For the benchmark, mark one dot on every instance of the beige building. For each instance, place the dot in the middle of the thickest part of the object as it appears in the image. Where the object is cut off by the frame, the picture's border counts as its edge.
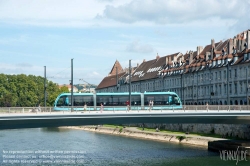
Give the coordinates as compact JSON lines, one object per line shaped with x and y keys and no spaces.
{"x":217,"y":74}
{"x":69,"y":88}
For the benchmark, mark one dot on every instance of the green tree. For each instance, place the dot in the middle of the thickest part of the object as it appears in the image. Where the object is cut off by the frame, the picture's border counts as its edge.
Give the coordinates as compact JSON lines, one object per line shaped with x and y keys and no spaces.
{"x":27,"y":91}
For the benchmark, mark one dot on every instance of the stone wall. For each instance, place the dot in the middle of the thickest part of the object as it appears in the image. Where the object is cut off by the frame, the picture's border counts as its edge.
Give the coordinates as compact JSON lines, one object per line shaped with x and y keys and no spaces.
{"x":233,"y":130}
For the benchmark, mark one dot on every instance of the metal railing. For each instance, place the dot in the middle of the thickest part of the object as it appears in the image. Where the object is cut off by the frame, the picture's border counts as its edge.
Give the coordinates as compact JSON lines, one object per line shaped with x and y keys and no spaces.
{"x":217,"y":107}
{"x":25,"y":109}
{"x":155,"y":108}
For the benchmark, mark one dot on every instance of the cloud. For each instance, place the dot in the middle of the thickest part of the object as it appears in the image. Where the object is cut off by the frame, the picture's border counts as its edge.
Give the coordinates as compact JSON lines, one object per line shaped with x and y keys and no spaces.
{"x":54,"y":13}
{"x":49,"y":12}
{"x":242,"y":22}
{"x":176,"y":11}
{"x":137,"y":47}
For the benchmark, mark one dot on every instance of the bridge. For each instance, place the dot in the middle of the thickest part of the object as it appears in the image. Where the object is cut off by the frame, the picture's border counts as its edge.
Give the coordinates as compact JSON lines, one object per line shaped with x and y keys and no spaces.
{"x":57,"y":119}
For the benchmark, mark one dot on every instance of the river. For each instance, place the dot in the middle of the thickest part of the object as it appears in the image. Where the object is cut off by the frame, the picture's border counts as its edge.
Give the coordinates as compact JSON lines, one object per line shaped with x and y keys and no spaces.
{"x":62,"y":146}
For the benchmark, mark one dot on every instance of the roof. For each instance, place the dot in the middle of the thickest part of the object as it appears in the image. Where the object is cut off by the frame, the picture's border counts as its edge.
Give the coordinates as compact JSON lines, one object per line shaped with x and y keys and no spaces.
{"x":109,"y":81}
{"x":150,"y":69}
{"x":119,"y":68}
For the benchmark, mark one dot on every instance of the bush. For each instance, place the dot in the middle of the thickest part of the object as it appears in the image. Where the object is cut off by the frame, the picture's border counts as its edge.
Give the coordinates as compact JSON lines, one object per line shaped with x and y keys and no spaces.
{"x":180,"y":138}
{"x":120,"y":130}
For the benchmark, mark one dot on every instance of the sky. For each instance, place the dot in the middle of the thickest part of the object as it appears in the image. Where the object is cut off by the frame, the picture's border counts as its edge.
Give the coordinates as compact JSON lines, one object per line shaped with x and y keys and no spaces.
{"x":96,"y":33}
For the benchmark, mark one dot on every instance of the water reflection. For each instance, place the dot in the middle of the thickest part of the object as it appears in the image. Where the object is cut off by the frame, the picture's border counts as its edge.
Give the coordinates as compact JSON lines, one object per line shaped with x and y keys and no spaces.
{"x":101,"y":149}
{"x":55,"y":129}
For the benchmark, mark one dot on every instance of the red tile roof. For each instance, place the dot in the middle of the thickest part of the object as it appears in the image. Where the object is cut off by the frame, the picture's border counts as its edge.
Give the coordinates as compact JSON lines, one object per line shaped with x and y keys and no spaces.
{"x":109,"y":81}
{"x":150,"y":69}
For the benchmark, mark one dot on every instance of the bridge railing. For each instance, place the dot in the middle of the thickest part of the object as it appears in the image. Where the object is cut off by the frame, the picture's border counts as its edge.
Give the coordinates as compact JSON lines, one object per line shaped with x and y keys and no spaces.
{"x":25,"y":109}
{"x":217,"y":107}
{"x":185,"y":108}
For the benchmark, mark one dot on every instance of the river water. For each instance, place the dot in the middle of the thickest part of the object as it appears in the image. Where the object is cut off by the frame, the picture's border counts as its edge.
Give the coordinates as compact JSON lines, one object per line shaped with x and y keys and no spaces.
{"x":61,"y":146}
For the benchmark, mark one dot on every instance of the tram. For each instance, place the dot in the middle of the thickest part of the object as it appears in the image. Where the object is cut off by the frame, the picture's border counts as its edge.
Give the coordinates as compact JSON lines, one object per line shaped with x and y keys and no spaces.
{"x":118,"y":101}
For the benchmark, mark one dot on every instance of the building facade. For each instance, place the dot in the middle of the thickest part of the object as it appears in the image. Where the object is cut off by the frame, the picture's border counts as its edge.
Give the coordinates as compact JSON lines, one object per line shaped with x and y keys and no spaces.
{"x":217,"y":74}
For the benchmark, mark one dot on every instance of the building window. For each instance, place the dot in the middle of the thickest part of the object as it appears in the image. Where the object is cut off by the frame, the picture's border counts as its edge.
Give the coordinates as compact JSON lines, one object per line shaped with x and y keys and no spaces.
{"x":235,"y":72}
{"x":241,"y":88}
{"x":215,"y":89}
{"x":225,"y":75}
{"x":235,"y":87}
{"x":230,"y":74}
{"x":230,"y":88}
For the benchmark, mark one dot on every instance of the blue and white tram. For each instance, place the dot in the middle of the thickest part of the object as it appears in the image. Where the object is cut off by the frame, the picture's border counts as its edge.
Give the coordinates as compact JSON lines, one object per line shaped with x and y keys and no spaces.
{"x":118,"y":101}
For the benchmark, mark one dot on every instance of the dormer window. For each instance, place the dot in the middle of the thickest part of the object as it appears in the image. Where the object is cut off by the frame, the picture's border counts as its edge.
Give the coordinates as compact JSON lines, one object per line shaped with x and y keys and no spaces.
{"x":245,"y":45}
{"x":245,"y":56}
{"x":214,"y":63}
{"x":234,"y":50}
{"x":209,"y":57}
{"x":235,"y":58}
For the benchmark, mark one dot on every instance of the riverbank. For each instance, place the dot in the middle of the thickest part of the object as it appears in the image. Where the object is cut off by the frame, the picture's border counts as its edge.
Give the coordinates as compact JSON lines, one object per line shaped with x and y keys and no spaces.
{"x":157,"y":136}
{"x":211,"y":143}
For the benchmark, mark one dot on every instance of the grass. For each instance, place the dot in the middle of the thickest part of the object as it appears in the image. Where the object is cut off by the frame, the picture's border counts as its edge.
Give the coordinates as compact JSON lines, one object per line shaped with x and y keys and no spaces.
{"x":112,"y":126}
{"x":190,"y":133}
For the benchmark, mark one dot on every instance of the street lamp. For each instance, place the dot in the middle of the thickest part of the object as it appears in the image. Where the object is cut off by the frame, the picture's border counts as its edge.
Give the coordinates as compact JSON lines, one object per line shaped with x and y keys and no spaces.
{"x":228,"y":62}
{"x":130,"y":84}
{"x":248,"y":86}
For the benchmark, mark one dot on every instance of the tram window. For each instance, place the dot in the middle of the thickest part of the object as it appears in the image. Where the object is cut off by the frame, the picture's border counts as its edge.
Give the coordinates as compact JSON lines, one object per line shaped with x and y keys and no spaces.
{"x":158,"y":99}
{"x":176,"y":100}
{"x":136,"y":100}
{"x":62,"y":101}
{"x":82,"y":100}
{"x":173,"y":99}
{"x":123,"y":100}
{"x":170,"y":101}
{"x":102,"y":99}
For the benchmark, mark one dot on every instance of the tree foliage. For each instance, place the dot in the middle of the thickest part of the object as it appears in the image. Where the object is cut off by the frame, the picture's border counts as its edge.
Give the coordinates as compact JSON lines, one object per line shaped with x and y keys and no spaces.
{"x":27,"y":91}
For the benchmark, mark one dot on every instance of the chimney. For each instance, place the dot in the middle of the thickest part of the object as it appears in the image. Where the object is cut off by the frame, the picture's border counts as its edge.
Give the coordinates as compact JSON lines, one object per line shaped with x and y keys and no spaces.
{"x":238,"y":45}
{"x":190,"y":56}
{"x":212,"y":43}
{"x":230,"y":45}
{"x":199,"y":50}
{"x":242,"y":45}
{"x":248,"y":39}
{"x":137,"y":64}
{"x":144,"y":60}
{"x":166,"y":60}
{"x":157,"y":57}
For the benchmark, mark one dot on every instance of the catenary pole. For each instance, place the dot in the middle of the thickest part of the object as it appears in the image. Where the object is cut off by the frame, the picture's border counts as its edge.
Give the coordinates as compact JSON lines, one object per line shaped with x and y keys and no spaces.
{"x":72,"y":99}
{"x":129,"y":84}
{"x":45,"y":86}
